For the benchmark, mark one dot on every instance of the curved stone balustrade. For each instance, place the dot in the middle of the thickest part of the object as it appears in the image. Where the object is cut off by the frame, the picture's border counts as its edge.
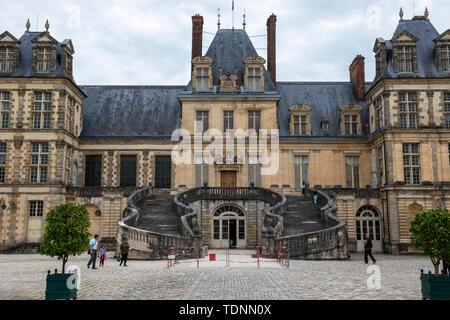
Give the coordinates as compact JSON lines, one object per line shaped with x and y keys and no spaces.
{"x":324,"y":244}
{"x":145,"y":244}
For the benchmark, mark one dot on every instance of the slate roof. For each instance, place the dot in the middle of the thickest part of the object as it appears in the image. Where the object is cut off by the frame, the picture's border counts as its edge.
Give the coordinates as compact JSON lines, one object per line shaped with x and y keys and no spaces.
{"x":25,"y":60}
{"x":324,"y":98}
{"x":228,"y":49}
{"x":131,"y":111}
{"x":424,"y":30}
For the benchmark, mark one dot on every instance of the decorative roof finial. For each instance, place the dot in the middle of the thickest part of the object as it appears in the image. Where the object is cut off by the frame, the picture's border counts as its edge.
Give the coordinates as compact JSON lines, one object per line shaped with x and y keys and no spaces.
{"x":218,"y":18}
{"x":401,"y":13}
{"x":427,"y":13}
{"x":243,"y":23}
{"x":28,"y":25}
{"x":47,"y":25}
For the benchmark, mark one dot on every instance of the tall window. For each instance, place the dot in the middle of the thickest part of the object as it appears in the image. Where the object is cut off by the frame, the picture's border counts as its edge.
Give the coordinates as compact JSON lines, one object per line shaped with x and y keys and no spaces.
{"x":36,"y":208}
{"x":300,"y":124}
{"x":202,"y":79}
{"x":408,"y":110}
{"x":5,"y":107}
{"x":411,"y":163}
{"x":93,"y":171}
{"x":2,"y":162}
{"x":202,"y":121}
{"x":404,"y":58}
{"x":70,"y":115}
{"x":128,"y":171}
{"x":254,"y":79}
{"x":254,"y":171}
{"x":201,"y":171}
{"x":352,"y":172}
{"x":380,"y":164}
{"x":447,"y":110}
{"x":39,"y":163}
{"x":444,"y":58}
{"x":378,"y":114}
{"x":351,"y":125}
{"x":228,"y":120}
{"x":42,"y":108}
{"x":301,"y":171}
{"x":45,"y":60}
{"x":8,"y":59}
{"x":254,"y":120}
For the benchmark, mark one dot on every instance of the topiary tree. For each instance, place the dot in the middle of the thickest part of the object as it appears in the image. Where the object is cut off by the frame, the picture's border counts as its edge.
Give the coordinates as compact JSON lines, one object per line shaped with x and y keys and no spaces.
{"x":66,"y":232}
{"x":430,"y":232}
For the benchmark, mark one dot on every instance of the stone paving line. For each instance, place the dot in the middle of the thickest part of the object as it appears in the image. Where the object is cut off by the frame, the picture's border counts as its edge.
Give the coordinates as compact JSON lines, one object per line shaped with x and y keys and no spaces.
{"x":22,"y":277}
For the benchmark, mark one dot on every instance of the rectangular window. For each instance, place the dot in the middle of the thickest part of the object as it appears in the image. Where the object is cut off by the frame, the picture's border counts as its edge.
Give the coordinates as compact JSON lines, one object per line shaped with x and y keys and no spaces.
{"x":411,"y":163}
{"x":241,"y":229}
{"x":254,"y":79}
{"x":352,"y":172}
{"x":45,"y":59}
{"x":8,"y":59}
{"x":447,"y":110}
{"x":202,"y":121}
{"x":351,"y":125}
{"x":300,"y":123}
{"x":128,"y":171}
{"x":408,"y":108}
{"x":301,"y":171}
{"x":404,"y":57}
{"x":201,"y":170}
{"x":224,"y":229}
{"x":2,"y":162}
{"x":444,"y":58}
{"x":228,"y":120}
{"x":36,"y":208}
{"x":378,"y":114}
{"x":39,"y":163}
{"x":202,"y":78}
{"x":5,"y":107}
{"x":216,"y":229}
{"x":93,"y":172}
{"x":380,"y":165}
{"x":254,"y":175}
{"x":42,"y":110}
{"x":254,"y":120}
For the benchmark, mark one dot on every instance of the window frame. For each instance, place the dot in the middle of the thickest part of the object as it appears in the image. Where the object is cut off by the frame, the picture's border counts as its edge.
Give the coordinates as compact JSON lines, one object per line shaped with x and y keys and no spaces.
{"x":352,"y":167}
{"x":410,"y":176}
{"x":40,"y":162}
{"x":3,"y":161}
{"x":408,"y":110}
{"x":254,"y":120}
{"x":301,"y":171}
{"x":42,"y":109}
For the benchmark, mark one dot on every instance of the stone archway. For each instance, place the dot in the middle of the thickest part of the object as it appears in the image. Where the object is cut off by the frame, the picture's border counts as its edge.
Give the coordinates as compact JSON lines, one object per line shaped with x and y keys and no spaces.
{"x":95,"y":217}
{"x":368,"y":221}
{"x":229,"y":224}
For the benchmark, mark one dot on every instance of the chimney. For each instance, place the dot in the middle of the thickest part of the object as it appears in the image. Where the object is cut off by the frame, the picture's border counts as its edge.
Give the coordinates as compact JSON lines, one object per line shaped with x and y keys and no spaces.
{"x":271,"y":47}
{"x":357,"y":77}
{"x":197,"y":35}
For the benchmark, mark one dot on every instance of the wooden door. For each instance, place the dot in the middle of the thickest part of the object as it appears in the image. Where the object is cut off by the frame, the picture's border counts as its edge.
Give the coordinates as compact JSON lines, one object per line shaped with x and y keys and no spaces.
{"x":228,"y":179}
{"x":163,"y":172}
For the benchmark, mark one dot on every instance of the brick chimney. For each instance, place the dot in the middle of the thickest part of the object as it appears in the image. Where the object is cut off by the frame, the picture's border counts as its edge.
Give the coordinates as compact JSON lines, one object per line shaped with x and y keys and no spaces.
{"x":357,"y":77}
{"x":271,"y":47}
{"x":197,"y":35}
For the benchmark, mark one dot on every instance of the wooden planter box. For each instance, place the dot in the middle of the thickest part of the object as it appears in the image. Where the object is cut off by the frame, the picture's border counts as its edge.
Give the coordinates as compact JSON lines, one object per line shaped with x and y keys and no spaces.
{"x":435,"y":287}
{"x":57,"y":288}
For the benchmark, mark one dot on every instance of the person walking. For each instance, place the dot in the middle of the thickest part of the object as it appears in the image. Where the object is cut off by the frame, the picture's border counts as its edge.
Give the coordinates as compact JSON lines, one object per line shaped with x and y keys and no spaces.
{"x":102,"y":255}
{"x":446,"y":268}
{"x":368,"y":249}
{"x":303,"y":188}
{"x":315,"y":194}
{"x":124,"y":248}
{"x":93,"y":244}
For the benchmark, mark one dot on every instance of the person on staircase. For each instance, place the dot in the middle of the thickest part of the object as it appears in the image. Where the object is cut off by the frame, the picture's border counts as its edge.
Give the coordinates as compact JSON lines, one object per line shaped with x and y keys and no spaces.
{"x":315,"y":194}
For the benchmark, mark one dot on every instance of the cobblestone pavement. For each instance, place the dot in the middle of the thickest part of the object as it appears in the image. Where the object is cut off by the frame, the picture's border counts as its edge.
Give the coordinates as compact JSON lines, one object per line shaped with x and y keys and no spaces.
{"x":23,"y":277}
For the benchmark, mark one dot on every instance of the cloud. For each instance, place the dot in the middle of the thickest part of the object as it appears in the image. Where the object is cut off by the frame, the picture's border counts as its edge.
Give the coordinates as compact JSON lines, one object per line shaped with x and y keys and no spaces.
{"x":140,"y":42}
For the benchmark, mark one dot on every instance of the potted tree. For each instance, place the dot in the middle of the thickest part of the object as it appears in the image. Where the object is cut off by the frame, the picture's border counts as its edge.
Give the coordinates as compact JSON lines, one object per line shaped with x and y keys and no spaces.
{"x":65,"y":234}
{"x":430,"y":232}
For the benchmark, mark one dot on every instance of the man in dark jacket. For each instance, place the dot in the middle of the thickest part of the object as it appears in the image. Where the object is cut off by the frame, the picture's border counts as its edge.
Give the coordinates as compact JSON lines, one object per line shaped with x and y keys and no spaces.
{"x":446,"y":269}
{"x":124,"y":248}
{"x":368,"y":249}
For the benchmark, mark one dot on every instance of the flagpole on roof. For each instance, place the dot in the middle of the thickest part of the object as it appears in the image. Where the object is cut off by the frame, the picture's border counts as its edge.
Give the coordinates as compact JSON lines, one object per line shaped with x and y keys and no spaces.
{"x":232,"y":9}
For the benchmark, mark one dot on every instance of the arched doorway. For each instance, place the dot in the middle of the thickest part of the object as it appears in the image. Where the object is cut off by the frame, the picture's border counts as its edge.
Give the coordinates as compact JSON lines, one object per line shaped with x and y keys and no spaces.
{"x":229,"y":227}
{"x":95,"y":217}
{"x":368,"y":221}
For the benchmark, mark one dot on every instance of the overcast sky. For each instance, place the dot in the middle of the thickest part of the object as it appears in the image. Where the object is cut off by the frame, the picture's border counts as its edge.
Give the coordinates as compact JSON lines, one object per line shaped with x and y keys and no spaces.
{"x":148,"y":42}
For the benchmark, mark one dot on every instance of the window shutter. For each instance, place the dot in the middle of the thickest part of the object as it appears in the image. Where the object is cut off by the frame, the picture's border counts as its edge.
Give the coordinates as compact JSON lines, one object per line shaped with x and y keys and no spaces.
{"x":198,"y":176}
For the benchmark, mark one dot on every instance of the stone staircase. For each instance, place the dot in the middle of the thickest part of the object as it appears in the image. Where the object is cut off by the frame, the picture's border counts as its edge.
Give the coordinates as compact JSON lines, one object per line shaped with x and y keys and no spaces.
{"x":158,"y":215}
{"x":302,"y":216}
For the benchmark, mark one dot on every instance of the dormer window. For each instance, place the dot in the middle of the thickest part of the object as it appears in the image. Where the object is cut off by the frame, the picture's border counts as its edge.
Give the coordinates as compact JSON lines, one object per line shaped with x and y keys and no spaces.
{"x":351,"y":120}
{"x":228,"y":83}
{"x":9,"y":53}
{"x":405,"y":52}
{"x":44,"y":60}
{"x":300,"y":124}
{"x":202,"y":74}
{"x":254,"y":74}
{"x":443,"y":52}
{"x":380,"y":56}
{"x":325,"y":124}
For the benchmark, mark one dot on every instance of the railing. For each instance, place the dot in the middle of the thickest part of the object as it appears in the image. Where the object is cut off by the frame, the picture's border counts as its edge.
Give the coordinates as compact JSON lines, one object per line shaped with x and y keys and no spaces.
{"x":272,"y":218}
{"x":94,"y":192}
{"x":330,"y":243}
{"x":146,"y":244}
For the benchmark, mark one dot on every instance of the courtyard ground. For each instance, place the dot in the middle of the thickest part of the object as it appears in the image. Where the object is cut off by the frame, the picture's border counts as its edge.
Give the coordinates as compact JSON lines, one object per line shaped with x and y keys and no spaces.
{"x":22,"y":277}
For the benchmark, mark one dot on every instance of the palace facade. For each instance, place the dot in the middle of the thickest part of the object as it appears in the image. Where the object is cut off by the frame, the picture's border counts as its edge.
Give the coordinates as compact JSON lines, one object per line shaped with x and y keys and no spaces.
{"x":380,"y":149}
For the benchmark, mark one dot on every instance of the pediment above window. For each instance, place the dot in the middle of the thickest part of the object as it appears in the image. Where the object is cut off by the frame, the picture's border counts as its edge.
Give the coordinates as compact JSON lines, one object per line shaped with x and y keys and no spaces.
{"x":300,"y":108}
{"x":8,"y":38}
{"x":444,"y":37}
{"x":228,"y":83}
{"x":405,"y":36}
{"x":203,"y":60}
{"x":351,"y":108}
{"x":380,"y":43}
{"x":68,"y":45}
{"x":46,"y":38}
{"x":254,"y":60}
